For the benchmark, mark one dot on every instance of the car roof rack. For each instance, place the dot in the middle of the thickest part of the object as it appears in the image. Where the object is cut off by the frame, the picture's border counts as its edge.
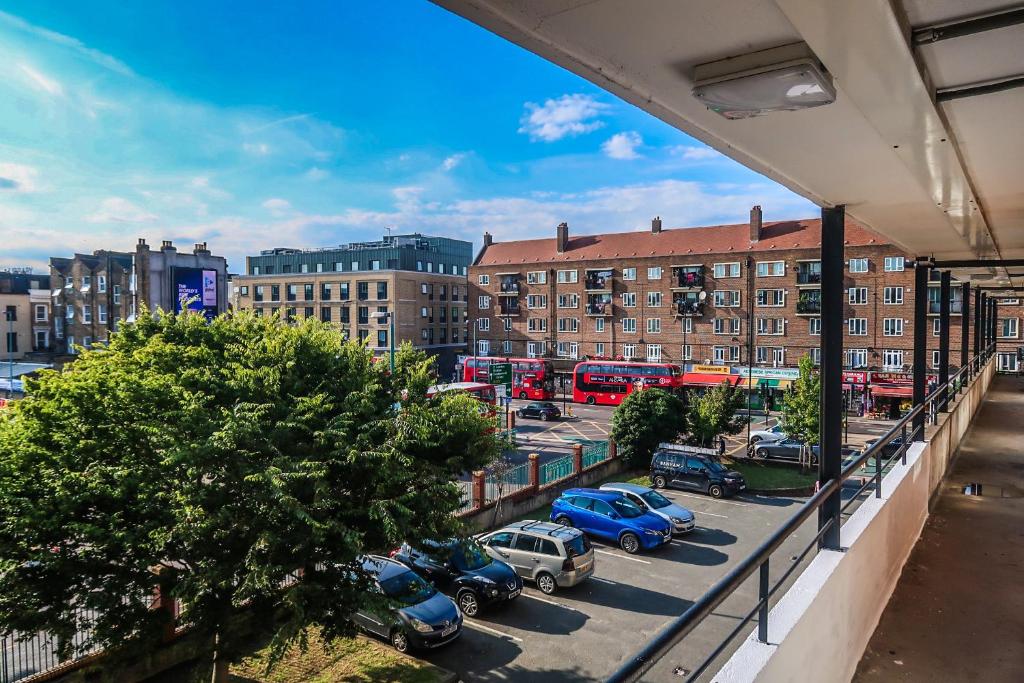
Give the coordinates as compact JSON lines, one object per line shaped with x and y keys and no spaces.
{"x":689,"y":450}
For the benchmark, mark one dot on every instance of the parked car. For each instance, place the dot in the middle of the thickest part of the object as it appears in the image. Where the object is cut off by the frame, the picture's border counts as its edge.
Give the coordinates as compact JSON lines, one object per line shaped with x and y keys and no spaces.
{"x":784,"y":449}
{"x":694,"y":469}
{"x":551,"y":555}
{"x":681,"y":519}
{"x":463,"y":569}
{"x":611,"y":516}
{"x":542,"y":410}
{"x":888,"y":450}
{"x":419,"y":616}
{"x":775,"y":433}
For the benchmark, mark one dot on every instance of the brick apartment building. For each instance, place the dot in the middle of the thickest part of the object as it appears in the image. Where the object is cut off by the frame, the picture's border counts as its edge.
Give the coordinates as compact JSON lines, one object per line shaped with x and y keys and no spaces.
{"x":689,"y":296}
{"x":24,"y":307}
{"x":93,"y":293}
{"x":420,"y":280}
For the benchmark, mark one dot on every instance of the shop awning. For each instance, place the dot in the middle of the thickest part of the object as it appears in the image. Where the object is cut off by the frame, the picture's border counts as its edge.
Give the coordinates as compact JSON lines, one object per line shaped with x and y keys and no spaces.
{"x":902,"y":392}
{"x":708,"y":379}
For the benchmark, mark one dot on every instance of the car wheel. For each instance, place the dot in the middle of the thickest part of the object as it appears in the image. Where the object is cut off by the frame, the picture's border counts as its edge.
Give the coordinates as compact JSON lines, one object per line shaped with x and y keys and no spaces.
{"x":755,"y":439}
{"x":715,"y":490}
{"x":522,"y":395}
{"x":399,"y":640}
{"x":630,"y":543}
{"x":591,"y":400}
{"x":546,"y":583}
{"x":563,"y":520}
{"x":544,"y":417}
{"x":468,"y":603}
{"x":659,"y":482}
{"x":520,"y":413}
{"x":761,"y":453}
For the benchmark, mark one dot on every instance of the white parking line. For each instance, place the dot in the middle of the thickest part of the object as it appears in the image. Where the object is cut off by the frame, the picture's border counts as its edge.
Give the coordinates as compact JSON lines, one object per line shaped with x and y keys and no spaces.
{"x":598,"y":578}
{"x":493,"y":631}
{"x":717,"y":500}
{"x":550,"y":602}
{"x":712,"y":514}
{"x":623,"y":557}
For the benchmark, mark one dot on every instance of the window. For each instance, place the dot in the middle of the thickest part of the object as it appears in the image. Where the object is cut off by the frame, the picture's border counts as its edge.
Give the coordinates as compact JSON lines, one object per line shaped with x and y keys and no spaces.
{"x":1008,"y":328}
{"x":893,"y":264}
{"x":343,"y":291}
{"x":244,"y":289}
{"x":726,"y":298}
{"x":339,"y":266}
{"x":936,"y":326}
{"x":325,"y":314}
{"x":484,"y":280}
{"x":855,"y":358}
{"x":86,"y":313}
{"x":892,"y":295}
{"x":430,"y":266}
{"x":568,"y":350}
{"x":291,"y":292}
{"x":629,"y":299}
{"x":816,"y":356}
{"x":506,"y":324}
{"x":653,"y":325}
{"x":567,"y":276}
{"x":69,"y":311}
{"x":722,"y":270}
{"x":537,"y":324}
{"x":568,"y":300}
{"x":726,"y":325}
{"x":101,"y":314}
{"x":325,"y":291}
{"x":69,"y":282}
{"x":858,"y":265}
{"x":771,"y":326}
{"x":42,"y":312}
{"x":654,"y":299}
{"x":258,"y":293}
{"x":892,"y":327}
{"x":771,"y":297}
{"x":771,"y":268}
{"x":599,"y":325}
{"x":654,"y":353}
{"x":858,"y":295}
{"x":307,"y":292}
{"x":286,"y":268}
{"x":440,"y":269}
{"x":86,"y":283}
{"x":892,"y":359}
{"x":599,"y":349}
{"x":117,"y":294}
{"x":687,"y":325}
{"x":382,"y":291}
{"x":654,"y":273}
{"x":382,"y":338}
{"x":629,"y":351}
{"x":424,"y":311}
{"x":725,"y":354}
{"x":629,"y":325}
{"x":425,"y":288}
{"x":506,"y":346}
{"x":537,"y":301}
{"x":101,"y":284}
{"x":58,"y":327}
{"x":533,"y":349}
{"x":537,"y":277}
{"x":935,"y":360}
{"x":814,"y":327}
{"x":686,"y":352}
{"x":355,"y":265}
{"x":629,"y":273}
{"x":319,"y":267}
{"x":483,"y":302}
{"x":857,"y":327}
{"x":483,"y":347}
{"x":307,"y":312}
{"x":483,"y":324}
{"x":87,"y":342}
{"x":776,"y":355}
{"x":374,"y":264}
{"x":304,"y":268}
{"x":568,"y":325}
{"x":1007,"y":362}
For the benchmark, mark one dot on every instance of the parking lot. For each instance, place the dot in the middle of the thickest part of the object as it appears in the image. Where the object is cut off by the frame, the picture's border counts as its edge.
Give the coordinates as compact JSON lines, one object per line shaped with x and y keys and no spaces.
{"x":584,"y":633}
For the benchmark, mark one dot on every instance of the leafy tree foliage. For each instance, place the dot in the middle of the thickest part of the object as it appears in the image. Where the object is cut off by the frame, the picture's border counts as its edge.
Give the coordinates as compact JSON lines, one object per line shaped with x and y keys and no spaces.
{"x":802,"y":409}
{"x":219,"y":459}
{"x":645,"y":419}
{"x":714,"y":413}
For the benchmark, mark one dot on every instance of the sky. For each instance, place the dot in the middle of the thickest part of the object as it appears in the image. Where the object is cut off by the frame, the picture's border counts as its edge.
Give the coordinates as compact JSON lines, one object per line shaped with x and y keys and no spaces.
{"x":316,"y":123}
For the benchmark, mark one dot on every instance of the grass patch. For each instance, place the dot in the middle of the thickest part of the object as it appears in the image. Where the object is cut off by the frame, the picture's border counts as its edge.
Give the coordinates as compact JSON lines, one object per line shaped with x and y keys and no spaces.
{"x":762,"y":476}
{"x":352,"y":660}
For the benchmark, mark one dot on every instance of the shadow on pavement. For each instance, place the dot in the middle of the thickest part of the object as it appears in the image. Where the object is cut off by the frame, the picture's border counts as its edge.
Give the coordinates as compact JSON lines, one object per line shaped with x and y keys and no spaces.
{"x":527,"y":614}
{"x":705,"y":536}
{"x":768,"y":501}
{"x":476,"y":656}
{"x":688,"y":553}
{"x":629,"y":598}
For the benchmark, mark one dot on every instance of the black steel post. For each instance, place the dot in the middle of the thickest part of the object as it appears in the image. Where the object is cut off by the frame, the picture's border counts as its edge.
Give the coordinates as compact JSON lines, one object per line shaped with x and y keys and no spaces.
{"x":978,"y":299}
{"x":830,"y":459}
{"x":983,"y":323}
{"x":965,"y":329}
{"x":995,"y":320}
{"x":920,"y":339}
{"x":943,"y":399}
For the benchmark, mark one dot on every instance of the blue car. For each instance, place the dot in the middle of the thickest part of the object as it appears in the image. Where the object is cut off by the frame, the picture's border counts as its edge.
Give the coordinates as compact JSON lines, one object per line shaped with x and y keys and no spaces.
{"x":611,"y":516}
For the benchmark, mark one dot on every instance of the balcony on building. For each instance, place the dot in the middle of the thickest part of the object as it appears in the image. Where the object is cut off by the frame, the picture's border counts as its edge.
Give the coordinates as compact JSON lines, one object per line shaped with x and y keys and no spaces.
{"x":508,"y":284}
{"x":688,"y":277}
{"x":688,"y":304}
{"x":598,"y":280}
{"x":809,"y":303}
{"x":509,"y":306}
{"x":808,"y":274}
{"x":599,"y":305}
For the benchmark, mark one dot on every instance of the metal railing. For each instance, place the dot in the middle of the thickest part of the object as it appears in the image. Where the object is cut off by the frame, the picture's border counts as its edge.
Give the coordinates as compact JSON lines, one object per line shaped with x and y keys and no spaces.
{"x":555,"y":470}
{"x":595,"y":453}
{"x":759,"y":560}
{"x":506,"y":483}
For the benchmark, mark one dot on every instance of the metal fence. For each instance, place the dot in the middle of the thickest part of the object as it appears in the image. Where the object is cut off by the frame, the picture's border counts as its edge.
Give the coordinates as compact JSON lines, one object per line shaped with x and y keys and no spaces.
{"x":24,"y":656}
{"x":467,"y":498}
{"x":505,"y":484}
{"x":595,"y":453}
{"x":554,"y":470}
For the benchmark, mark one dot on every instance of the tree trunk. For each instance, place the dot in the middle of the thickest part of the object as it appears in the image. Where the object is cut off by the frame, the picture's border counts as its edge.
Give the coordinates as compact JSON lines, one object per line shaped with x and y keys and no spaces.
{"x":220,"y":664}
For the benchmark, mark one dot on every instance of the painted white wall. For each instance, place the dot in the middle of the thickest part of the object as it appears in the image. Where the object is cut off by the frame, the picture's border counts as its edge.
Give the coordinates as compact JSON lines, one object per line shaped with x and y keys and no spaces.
{"x":819,"y":629}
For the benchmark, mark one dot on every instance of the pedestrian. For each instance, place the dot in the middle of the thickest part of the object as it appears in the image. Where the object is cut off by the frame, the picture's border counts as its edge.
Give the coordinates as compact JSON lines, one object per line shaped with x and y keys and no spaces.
{"x":721,"y":446}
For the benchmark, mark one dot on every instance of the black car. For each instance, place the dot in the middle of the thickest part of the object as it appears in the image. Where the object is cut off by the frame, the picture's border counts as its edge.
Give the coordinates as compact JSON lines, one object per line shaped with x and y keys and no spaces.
{"x":888,"y":450}
{"x":417,"y":615}
{"x":463,"y":569}
{"x":541,"y":410}
{"x":694,"y":471}
{"x":783,"y":449}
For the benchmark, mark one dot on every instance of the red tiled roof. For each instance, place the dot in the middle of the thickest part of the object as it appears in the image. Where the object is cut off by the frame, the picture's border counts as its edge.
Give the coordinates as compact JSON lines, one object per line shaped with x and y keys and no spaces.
{"x":716,"y":239}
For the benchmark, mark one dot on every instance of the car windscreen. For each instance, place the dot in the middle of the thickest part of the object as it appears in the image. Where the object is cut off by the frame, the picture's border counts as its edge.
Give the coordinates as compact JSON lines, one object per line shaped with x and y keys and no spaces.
{"x":407,"y":588}
{"x":469,"y":556}
{"x":716,"y":466}
{"x":655,"y":500}
{"x":577,"y":546}
{"x":626,"y":508}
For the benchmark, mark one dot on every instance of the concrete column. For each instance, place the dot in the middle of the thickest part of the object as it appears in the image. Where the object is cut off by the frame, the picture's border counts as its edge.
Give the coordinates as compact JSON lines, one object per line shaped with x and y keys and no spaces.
{"x":478,"y":489}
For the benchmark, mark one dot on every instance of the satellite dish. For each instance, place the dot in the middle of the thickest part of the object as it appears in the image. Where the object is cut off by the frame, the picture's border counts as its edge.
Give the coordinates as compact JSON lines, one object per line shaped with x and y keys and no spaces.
{"x":703,"y":295}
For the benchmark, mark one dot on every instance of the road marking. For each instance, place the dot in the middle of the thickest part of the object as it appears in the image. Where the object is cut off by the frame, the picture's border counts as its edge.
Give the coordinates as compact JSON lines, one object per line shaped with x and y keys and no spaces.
{"x":550,"y":602}
{"x":623,"y":557}
{"x":488,"y":629}
{"x":598,"y":427}
{"x":717,"y":500}
{"x":712,"y":514}
{"x":598,"y":578}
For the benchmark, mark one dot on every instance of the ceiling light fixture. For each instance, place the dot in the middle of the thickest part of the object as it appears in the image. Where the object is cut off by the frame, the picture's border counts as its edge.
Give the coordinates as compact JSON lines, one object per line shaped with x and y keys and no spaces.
{"x":786,"y":78}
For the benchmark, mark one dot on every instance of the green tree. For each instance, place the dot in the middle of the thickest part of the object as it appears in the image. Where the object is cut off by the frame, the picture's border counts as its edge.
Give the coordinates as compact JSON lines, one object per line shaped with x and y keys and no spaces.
{"x":714,"y":413}
{"x":221,"y":459}
{"x":802,"y":408}
{"x":645,"y":419}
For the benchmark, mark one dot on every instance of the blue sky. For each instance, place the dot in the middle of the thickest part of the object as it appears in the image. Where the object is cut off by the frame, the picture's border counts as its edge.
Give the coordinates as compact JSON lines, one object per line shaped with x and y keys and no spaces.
{"x":317,"y":123}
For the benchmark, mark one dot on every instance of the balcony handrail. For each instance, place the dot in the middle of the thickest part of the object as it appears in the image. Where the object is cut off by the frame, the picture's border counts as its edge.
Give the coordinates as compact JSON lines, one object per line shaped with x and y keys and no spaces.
{"x":681,"y":626}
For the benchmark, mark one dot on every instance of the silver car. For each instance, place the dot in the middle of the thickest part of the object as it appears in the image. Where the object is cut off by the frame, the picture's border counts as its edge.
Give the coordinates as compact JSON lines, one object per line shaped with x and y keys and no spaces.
{"x":551,"y":555}
{"x":649,"y":500}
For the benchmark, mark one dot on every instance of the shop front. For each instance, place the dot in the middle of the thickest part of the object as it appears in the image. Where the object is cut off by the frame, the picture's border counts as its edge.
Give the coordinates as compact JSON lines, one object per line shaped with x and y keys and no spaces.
{"x":697,"y":378}
{"x":855,"y":392}
{"x":767,"y":387}
{"x":891,"y":394}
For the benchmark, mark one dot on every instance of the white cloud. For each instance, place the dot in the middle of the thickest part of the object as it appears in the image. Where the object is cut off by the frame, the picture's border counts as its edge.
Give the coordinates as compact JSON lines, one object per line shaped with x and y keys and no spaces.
{"x":202,"y":185}
{"x":41,"y":81}
{"x":104,"y":60}
{"x":567,"y":116}
{"x":453,"y":161}
{"x":697,"y":153}
{"x":260,"y":149}
{"x":316,"y":174}
{"x":277,"y":206}
{"x":17,"y":177}
{"x":120,"y":210}
{"x":623,"y":145}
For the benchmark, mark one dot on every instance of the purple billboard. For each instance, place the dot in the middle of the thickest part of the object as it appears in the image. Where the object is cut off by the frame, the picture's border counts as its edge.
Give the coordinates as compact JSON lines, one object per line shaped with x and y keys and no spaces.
{"x":196,"y":289}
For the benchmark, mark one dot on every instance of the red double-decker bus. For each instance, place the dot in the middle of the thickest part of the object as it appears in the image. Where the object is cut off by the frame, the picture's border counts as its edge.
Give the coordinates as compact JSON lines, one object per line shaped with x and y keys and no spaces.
{"x":478,"y":390}
{"x":532,"y":378}
{"x":607,"y":382}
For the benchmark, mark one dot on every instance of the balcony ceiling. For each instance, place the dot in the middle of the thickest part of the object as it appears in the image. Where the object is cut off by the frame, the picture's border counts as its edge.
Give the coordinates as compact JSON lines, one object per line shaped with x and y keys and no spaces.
{"x":941,"y":179}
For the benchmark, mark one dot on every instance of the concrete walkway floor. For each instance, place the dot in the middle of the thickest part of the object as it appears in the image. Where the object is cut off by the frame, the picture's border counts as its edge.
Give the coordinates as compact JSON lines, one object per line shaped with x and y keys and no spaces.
{"x":958,"y":610}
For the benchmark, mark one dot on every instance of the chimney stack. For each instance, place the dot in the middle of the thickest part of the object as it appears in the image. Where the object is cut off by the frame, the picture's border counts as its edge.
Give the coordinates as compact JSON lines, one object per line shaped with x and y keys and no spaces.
{"x":755,"y":223}
{"x":656,"y":225}
{"x":200,"y":249}
{"x":166,"y":245}
{"x":488,"y":240}
{"x":562,"y":237}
